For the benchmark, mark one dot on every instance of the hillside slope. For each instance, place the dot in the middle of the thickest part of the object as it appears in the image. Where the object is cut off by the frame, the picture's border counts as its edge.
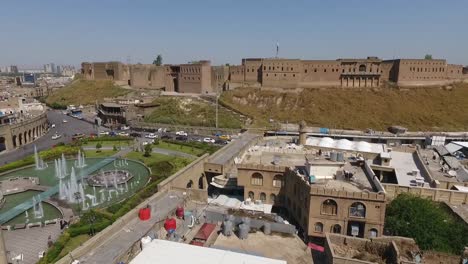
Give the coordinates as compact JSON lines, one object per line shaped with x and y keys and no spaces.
{"x":191,"y":112}
{"x":83,"y":92}
{"x":423,"y":109}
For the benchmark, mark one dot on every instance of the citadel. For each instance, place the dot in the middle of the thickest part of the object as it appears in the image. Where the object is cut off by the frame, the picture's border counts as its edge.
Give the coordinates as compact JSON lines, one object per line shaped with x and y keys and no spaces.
{"x":202,"y":77}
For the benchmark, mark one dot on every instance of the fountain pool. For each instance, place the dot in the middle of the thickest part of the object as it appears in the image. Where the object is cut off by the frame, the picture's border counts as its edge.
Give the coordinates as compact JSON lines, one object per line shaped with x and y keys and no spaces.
{"x":94,"y":196}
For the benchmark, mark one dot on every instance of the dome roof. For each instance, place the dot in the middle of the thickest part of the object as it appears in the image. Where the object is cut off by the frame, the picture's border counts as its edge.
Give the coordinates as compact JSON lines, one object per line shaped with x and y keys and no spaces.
{"x":363,"y":146}
{"x":344,"y":144}
{"x":326,"y":142}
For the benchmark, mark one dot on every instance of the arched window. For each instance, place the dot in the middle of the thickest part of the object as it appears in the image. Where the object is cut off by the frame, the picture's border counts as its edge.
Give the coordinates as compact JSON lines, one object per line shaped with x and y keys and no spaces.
{"x":272,"y":198}
{"x":373,"y":232}
{"x":357,"y":209}
{"x":251,"y":196}
{"x":336,"y":229}
{"x":257,"y":179}
{"x":362,"y":68}
{"x":329,"y":207}
{"x":318,"y":227}
{"x":263,"y":197}
{"x":278,"y":181}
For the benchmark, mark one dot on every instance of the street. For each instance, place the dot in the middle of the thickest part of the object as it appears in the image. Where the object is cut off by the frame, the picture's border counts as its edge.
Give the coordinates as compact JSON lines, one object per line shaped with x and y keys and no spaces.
{"x":56,"y":117}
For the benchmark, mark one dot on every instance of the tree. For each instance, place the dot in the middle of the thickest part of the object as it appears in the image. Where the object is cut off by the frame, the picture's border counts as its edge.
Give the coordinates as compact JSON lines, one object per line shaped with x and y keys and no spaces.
{"x":148,"y":150}
{"x":428,"y":57}
{"x":98,"y":147}
{"x":431,"y":224}
{"x":158,"y":61}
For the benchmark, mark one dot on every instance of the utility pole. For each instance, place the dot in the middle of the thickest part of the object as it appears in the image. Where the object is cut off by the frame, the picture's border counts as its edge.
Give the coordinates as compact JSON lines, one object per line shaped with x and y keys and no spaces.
{"x":217,"y":98}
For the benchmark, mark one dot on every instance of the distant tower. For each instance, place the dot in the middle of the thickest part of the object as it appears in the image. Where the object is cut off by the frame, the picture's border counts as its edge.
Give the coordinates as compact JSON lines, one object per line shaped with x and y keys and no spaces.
{"x":277,"y":49}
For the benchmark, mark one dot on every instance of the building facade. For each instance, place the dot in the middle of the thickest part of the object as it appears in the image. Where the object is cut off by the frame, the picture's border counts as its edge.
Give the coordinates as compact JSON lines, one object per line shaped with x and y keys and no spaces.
{"x":201,"y":77}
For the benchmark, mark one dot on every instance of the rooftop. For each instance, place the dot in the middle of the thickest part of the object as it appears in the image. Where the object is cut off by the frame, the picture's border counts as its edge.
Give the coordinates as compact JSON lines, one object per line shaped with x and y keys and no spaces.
{"x":167,"y":252}
{"x":288,"y":248}
{"x":407,"y":171}
{"x":327,"y":173}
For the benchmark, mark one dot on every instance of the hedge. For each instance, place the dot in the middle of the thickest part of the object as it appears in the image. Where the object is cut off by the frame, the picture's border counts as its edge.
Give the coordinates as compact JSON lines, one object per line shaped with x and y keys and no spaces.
{"x":46,"y":155}
{"x":200,"y":145}
{"x":54,"y":251}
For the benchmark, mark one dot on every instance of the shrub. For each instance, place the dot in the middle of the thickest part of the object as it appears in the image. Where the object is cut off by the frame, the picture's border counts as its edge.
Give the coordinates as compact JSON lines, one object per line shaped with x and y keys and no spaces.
{"x":431,"y":224}
{"x":57,"y":247}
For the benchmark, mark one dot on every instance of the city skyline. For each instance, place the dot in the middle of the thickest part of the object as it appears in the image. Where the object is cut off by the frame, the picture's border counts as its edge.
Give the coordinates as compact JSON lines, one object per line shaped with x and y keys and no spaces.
{"x":64,"y":33}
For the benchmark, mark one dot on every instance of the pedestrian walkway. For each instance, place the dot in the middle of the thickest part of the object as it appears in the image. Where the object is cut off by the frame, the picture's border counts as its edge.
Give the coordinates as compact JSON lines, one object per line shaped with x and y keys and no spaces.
{"x":117,"y":244}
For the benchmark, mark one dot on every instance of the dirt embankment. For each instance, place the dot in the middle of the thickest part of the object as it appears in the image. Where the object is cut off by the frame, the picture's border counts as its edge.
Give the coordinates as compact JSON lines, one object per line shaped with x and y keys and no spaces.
{"x":424,"y":109}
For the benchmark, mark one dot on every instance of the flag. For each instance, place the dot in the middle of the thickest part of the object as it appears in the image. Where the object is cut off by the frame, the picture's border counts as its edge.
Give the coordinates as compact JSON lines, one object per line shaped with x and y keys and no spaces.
{"x":277,"y":48}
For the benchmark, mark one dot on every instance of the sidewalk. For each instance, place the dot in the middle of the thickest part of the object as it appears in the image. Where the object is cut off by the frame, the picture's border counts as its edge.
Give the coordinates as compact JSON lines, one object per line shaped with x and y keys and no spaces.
{"x":114,"y":246}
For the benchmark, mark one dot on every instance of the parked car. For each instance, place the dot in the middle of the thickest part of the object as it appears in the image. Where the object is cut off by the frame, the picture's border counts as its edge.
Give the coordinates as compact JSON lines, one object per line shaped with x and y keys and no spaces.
{"x":52,"y":126}
{"x":125,"y":128}
{"x":65,"y":121}
{"x":56,"y":136}
{"x":220,"y":142}
{"x":151,"y":135}
{"x":135,"y":134}
{"x":104,"y":133}
{"x":182,"y":138}
{"x":224,"y":137}
{"x":181,"y":133}
{"x":208,"y":140}
{"x":112,"y":134}
{"x":124,"y":134}
{"x":78,"y":136}
{"x":166,"y":136}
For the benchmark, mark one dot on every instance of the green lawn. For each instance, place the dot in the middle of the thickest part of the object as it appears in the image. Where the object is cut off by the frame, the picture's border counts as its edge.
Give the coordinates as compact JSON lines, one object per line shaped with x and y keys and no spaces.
{"x":155,"y":157}
{"x":73,"y":243}
{"x":186,"y":149}
{"x":121,"y":143}
{"x":101,"y":154}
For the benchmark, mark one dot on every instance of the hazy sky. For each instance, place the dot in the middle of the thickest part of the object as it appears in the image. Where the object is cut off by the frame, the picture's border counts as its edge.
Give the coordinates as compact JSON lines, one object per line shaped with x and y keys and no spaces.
{"x":35,"y":32}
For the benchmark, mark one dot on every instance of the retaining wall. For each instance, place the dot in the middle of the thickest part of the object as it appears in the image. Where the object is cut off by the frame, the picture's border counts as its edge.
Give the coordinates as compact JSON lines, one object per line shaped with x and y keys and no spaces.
{"x":439,"y":195}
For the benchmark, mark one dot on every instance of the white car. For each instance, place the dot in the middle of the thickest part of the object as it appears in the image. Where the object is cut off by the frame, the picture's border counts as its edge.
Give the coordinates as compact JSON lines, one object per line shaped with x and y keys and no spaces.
{"x":208,"y":140}
{"x":125,"y":128}
{"x":181,"y":133}
{"x":104,"y":133}
{"x":65,"y":121}
{"x":151,"y":135}
{"x":52,"y":126}
{"x":124,"y":134}
{"x":56,"y":136}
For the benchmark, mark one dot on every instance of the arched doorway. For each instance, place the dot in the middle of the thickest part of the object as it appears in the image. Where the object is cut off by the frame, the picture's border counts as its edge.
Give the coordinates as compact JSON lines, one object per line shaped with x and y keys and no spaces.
{"x":13,"y":139}
{"x":336,"y":229}
{"x":25,"y":137}
{"x":201,"y":183}
{"x":189,"y":184}
{"x":20,"y":137}
{"x":2,"y":144}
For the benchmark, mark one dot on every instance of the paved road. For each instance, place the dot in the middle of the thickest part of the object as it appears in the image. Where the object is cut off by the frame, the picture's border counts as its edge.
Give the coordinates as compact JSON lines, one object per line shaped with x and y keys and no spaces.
{"x":45,"y":142}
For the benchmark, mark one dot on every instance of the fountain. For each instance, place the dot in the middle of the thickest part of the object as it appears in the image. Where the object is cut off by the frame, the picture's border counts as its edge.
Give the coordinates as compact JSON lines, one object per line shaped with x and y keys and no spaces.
{"x":83,"y":196}
{"x":38,"y":210}
{"x":40,"y":164}
{"x":80,"y":161}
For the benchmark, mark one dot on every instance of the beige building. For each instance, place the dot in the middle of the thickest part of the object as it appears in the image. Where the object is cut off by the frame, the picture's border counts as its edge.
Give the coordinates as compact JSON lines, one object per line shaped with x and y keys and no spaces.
{"x":318,"y":193}
{"x":201,"y":77}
